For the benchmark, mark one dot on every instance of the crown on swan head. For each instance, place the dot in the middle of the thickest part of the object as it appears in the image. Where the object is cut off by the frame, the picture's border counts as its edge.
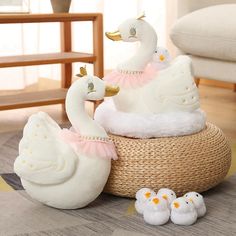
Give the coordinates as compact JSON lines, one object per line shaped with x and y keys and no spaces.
{"x":83,"y":71}
{"x":140,"y":17}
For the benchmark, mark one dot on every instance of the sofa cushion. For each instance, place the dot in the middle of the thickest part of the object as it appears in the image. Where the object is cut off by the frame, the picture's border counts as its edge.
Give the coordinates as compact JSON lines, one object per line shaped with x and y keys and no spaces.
{"x":209,"y":32}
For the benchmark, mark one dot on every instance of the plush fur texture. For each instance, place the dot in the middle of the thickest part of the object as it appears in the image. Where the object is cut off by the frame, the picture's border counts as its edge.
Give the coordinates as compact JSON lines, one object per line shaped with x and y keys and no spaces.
{"x":149,"y":126}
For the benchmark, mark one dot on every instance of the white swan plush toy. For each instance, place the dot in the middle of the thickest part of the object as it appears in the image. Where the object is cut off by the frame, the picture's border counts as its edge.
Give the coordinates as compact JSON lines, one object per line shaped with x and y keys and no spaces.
{"x":144,"y":89}
{"x":156,"y":211}
{"x":198,"y":202}
{"x":142,"y":196}
{"x":183,"y":212}
{"x":168,"y":194}
{"x":67,"y":169}
{"x":158,"y":97}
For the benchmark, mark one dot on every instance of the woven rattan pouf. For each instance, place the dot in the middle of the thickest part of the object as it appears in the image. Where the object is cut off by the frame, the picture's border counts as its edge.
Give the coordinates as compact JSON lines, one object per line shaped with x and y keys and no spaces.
{"x":196,"y":162}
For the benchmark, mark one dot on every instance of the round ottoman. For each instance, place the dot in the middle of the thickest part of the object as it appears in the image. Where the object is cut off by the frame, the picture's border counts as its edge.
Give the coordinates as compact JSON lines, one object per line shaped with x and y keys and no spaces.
{"x":195,"y":162}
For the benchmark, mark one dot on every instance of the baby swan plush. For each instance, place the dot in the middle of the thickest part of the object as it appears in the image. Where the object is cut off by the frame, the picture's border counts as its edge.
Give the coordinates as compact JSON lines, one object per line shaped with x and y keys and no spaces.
{"x":168,"y":194}
{"x":67,"y":169}
{"x":156,"y":211}
{"x":142,"y":196}
{"x":198,"y":202}
{"x":183,"y":212}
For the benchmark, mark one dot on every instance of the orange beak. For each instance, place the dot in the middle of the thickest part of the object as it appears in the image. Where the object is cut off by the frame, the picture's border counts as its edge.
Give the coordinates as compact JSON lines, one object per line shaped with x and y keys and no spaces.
{"x":162,"y":57}
{"x":155,"y":200}
{"x":148,"y":195}
{"x":165,"y":197}
{"x":191,"y":200}
{"x":176,"y":205}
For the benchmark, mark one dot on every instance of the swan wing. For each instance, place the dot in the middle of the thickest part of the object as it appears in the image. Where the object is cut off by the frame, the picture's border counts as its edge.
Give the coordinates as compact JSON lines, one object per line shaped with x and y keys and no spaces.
{"x":174,"y":88}
{"x":43,"y":157}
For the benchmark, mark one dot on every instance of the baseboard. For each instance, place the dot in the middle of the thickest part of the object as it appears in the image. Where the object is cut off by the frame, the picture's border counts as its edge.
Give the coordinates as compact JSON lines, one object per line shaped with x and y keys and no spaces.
{"x":216,"y":83}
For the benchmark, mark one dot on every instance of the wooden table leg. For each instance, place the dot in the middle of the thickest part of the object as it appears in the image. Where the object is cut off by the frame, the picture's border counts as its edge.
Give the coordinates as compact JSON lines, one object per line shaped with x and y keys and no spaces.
{"x":98,"y":46}
{"x":66,"y":46}
{"x":98,"y":50}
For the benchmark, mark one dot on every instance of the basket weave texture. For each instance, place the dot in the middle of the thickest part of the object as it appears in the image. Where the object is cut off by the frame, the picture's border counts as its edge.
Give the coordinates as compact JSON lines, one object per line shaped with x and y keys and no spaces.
{"x":195,"y":162}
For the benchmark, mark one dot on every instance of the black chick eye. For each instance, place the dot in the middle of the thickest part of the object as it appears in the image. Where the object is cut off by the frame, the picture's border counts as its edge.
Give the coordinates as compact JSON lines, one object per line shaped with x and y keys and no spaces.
{"x":132,"y":31}
{"x":197,"y":195}
{"x":90,"y":86}
{"x":187,"y":202}
{"x":186,"y":195}
{"x":172,"y":194}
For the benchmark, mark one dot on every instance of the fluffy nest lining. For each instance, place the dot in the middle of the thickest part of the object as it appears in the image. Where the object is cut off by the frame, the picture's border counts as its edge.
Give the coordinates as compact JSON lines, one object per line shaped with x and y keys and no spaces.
{"x":149,"y":126}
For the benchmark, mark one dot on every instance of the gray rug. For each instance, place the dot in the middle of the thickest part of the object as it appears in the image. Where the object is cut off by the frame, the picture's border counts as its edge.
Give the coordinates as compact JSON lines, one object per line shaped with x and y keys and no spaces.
{"x":108,"y":215}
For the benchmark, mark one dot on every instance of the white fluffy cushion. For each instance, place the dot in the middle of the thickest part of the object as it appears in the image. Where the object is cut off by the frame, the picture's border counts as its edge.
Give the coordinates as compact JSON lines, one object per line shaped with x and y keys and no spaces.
{"x":148,"y":126}
{"x":208,"y":32}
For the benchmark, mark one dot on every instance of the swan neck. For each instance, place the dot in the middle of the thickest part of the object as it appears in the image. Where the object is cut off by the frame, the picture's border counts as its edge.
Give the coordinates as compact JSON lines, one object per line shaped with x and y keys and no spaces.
{"x":80,"y":120}
{"x":142,"y":57}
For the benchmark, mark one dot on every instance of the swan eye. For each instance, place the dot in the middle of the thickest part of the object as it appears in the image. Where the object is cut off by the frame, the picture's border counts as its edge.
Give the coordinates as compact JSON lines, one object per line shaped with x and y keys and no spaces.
{"x":186,"y":202}
{"x":132,"y":31}
{"x":90,"y":86}
{"x":197,"y":195}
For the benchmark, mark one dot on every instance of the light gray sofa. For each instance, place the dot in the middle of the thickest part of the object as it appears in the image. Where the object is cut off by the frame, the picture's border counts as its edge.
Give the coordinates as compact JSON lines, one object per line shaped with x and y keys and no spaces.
{"x":206,"y":30}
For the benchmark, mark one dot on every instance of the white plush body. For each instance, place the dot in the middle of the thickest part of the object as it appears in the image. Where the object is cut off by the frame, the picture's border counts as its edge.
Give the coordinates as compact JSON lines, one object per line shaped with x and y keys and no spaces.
{"x":156,"y":213}
{"x":139,"y":206}
{"x":156,"y":218}
{"x":172,"y":90}
{"x":198,"y":202}
{"x":50,"y":170}
{"x":142,"y":197}
{"x":185,"y":214}
{"x":183,"y":219}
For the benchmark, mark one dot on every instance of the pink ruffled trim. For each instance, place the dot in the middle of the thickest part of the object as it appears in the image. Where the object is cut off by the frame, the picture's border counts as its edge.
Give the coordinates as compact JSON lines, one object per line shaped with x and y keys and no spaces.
{"x":104,"y":149}
{"x":131,"y":79}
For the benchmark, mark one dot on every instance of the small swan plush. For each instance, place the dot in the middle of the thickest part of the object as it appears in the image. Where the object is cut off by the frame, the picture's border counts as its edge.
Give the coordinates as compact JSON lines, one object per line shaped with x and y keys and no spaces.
{"x":142,"y":197}
{"x":198,"y":202}
{"x":67,"y":169}
{"x":168,"y":194}
{"x":156,"y":211}
{"x":183,"y":212}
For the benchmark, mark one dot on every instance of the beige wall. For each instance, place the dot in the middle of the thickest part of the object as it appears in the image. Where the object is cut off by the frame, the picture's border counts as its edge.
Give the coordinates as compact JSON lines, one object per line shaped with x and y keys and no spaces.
{"x":186,"y":6}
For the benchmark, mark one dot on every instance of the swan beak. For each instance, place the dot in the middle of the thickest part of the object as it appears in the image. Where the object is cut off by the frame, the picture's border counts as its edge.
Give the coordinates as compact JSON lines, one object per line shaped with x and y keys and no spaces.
{"x":111,"y":90}
{"x":115,"y":36}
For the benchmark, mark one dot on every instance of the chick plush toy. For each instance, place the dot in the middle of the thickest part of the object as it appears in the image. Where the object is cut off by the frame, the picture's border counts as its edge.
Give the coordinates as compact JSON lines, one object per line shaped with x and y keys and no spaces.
{"x":156,"y":211}
{"x":168,"y":194}
{"x":161,"y":58}
{"x":142,"y":197}
{"x":198,"y":202}
{"x":183,"y":212}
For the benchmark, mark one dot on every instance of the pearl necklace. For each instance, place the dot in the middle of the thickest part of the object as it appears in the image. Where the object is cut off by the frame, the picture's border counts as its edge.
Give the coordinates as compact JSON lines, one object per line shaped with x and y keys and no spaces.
{"x":130,"y":72}
{"x":94,"y":138}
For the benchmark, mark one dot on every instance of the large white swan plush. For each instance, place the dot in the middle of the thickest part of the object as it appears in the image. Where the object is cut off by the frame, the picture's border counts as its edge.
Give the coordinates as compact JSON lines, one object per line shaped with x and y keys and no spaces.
{"x":153,"y":101}
{"x":144,"y":89}
{"x":67,"y":169}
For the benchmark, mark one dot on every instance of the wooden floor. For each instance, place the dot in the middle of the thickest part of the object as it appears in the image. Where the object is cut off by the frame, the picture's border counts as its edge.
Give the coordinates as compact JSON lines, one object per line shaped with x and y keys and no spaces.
{"x":220,"y":107}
